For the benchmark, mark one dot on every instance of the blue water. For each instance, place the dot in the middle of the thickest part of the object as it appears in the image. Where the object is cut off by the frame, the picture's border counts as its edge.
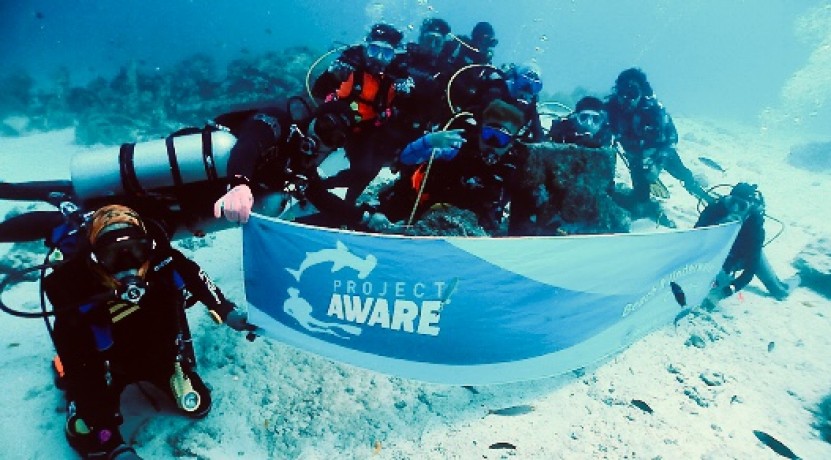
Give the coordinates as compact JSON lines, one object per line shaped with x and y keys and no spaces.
{"x":712,"y":58}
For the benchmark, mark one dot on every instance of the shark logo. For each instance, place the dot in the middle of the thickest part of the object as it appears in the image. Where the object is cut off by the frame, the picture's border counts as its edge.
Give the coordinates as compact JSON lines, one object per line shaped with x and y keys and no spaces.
{"x":340,"y":257}
{"x":301,"y":310}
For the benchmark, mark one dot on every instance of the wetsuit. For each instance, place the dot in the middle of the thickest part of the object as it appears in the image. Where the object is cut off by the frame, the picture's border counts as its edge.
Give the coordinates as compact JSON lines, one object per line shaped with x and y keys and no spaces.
{"x":105,"y":345}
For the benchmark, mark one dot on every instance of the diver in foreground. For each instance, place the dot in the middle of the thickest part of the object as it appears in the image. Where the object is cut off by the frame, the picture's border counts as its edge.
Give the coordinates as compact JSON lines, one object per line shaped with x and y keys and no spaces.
{"x":120,"y":319}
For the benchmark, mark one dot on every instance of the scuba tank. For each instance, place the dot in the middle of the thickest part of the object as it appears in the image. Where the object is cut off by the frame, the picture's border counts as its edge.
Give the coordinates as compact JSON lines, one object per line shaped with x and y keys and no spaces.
{"x":186,"y":397}
{"x":187,"y":156}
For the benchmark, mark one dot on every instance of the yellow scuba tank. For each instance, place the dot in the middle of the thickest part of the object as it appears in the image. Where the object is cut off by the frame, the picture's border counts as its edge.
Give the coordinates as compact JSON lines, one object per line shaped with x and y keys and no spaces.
{"x":186,"y":397}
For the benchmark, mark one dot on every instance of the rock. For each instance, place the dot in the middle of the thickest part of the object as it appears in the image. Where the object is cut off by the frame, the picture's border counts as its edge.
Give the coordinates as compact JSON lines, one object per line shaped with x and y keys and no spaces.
{"x":445,"y":220}
{"x":712,"y":379}
{"x":813,"y":156}
{"x":567,"y":187}
{"x":813,"y":264}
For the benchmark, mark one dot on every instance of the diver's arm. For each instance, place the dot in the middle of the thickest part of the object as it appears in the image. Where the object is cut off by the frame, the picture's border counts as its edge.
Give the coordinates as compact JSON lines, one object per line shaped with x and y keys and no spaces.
{"x":202,"y":286}
{"x":442,"y":145}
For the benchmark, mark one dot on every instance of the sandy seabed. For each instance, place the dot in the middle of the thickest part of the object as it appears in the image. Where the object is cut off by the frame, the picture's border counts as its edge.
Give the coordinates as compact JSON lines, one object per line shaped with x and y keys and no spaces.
{"x":702,"y":386}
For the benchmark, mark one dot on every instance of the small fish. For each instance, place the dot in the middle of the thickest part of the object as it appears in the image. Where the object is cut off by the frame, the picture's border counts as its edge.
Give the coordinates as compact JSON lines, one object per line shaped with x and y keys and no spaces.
{"x":678,"y":293}
{"x":642,"y":406}
{"x":522,"y":409}
{"x":681,"y":315}
{"x":471,"y":389}
{"x":502,"y":445}
{"x":774,"y":444}
{"x":711,"y":163}
{"x":771,"y":346}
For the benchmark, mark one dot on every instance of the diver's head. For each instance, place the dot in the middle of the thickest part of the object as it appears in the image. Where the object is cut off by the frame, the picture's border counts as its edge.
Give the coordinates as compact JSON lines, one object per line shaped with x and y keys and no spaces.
{"x":524,"y":82}
{"x":500,"y":124}
{"x":483,"y":38}
{"x":631,"y":86}
{"x":328,"y":130}
{"x":589,"y":115}
{"x":120,"y":248}
{"x":745,"y":198}
{"x":380,"y":47}
{"x":433,"y":35}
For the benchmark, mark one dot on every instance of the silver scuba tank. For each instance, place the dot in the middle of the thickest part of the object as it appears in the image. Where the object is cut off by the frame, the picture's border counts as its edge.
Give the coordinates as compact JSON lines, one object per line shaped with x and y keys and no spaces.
{"x":192,"y":155}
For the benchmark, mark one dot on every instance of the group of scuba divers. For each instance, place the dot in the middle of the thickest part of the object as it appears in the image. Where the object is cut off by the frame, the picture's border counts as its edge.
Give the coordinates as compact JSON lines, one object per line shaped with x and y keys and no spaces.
{"x":436,"y":111}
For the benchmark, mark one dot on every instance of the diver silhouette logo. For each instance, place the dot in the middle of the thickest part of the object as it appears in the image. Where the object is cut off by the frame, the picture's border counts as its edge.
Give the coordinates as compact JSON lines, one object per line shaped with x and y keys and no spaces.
{"x":340,"y":257}
{"x":301,"y":310}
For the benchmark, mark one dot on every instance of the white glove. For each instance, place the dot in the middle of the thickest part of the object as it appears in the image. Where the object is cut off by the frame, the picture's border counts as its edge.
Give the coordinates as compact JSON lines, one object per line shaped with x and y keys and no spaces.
{"x":235,"y":205}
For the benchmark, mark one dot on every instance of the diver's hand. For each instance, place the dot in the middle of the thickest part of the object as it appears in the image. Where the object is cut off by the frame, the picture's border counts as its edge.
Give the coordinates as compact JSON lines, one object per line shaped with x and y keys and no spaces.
{"x":235,"y":205}
{"x":451,"y":139}
{"x":238,"y":320}
{"x":404,"y":85}
{"x":376,"y":221}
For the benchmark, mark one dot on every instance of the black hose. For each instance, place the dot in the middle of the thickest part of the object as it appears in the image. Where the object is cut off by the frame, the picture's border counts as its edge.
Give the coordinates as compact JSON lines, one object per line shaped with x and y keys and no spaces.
{"x":18,"y":275}
{"x":50,"y":191}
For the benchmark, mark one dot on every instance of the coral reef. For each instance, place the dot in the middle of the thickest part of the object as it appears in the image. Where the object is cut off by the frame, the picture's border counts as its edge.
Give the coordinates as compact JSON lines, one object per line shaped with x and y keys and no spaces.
{"x":138,"y":104}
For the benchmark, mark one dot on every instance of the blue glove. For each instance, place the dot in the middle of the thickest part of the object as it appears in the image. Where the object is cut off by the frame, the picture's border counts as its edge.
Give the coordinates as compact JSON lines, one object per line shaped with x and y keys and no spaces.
{"x":445,"y":154}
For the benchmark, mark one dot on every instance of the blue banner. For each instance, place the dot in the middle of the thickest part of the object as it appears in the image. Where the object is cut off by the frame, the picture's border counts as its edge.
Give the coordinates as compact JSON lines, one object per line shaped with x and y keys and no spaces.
{"x":470,"y":310}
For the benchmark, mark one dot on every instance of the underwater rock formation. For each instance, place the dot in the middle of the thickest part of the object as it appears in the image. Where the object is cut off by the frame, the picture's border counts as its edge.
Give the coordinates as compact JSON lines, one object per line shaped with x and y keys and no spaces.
{"x":568,"y":188}
{"x":446,"y":220}
{"x":814,"y":266}
{"x":138,"y":104}
{"x":813,"y":156}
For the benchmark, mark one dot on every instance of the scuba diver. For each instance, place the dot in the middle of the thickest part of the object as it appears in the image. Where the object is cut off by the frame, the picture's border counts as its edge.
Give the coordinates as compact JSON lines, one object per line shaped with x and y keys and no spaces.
{"x":275,"y":153}
{"x":119,"y":307}
{"x":360,"y":76}
{"x":746,"y":258}
{"x":587,"y":125}
{"x":476,"y":49}
{"x":422,"y":108}
{"x":647,"y":135}
{"x":472,"y":167}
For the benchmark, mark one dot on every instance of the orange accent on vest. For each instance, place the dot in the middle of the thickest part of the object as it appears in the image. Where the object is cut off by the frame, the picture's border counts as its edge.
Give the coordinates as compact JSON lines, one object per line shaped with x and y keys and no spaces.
{"x":417,"y":179}
{"x":368,"y":95}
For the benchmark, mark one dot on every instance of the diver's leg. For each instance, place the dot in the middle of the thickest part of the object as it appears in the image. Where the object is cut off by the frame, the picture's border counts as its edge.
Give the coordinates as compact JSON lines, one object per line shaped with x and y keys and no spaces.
{"x":772,"y":282}
{"x":676,"y":168}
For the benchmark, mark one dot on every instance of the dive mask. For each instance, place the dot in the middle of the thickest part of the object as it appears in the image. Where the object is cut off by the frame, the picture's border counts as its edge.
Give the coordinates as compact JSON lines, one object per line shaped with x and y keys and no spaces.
{"x":496,"y":136}
{"x":380,"y":51}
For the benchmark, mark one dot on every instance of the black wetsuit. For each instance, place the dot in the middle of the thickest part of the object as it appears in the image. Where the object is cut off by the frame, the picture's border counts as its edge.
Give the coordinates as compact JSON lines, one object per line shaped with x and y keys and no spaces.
{"x":105,"y":345}
{"x":268,"y":153}
{"x":372,"y":144}
{"x":746,"y":258}
{"x":648,"y":136}
{"x":466,"y":181}
{"x":568,"y":131}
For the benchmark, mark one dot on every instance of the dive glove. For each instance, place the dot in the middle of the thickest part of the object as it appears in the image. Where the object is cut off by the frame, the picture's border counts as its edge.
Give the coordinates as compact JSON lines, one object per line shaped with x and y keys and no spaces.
{"x":238,"y":320}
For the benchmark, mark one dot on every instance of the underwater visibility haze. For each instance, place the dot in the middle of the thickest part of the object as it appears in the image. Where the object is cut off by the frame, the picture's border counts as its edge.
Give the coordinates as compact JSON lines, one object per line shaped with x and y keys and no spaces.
{"x":746,"y":60}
